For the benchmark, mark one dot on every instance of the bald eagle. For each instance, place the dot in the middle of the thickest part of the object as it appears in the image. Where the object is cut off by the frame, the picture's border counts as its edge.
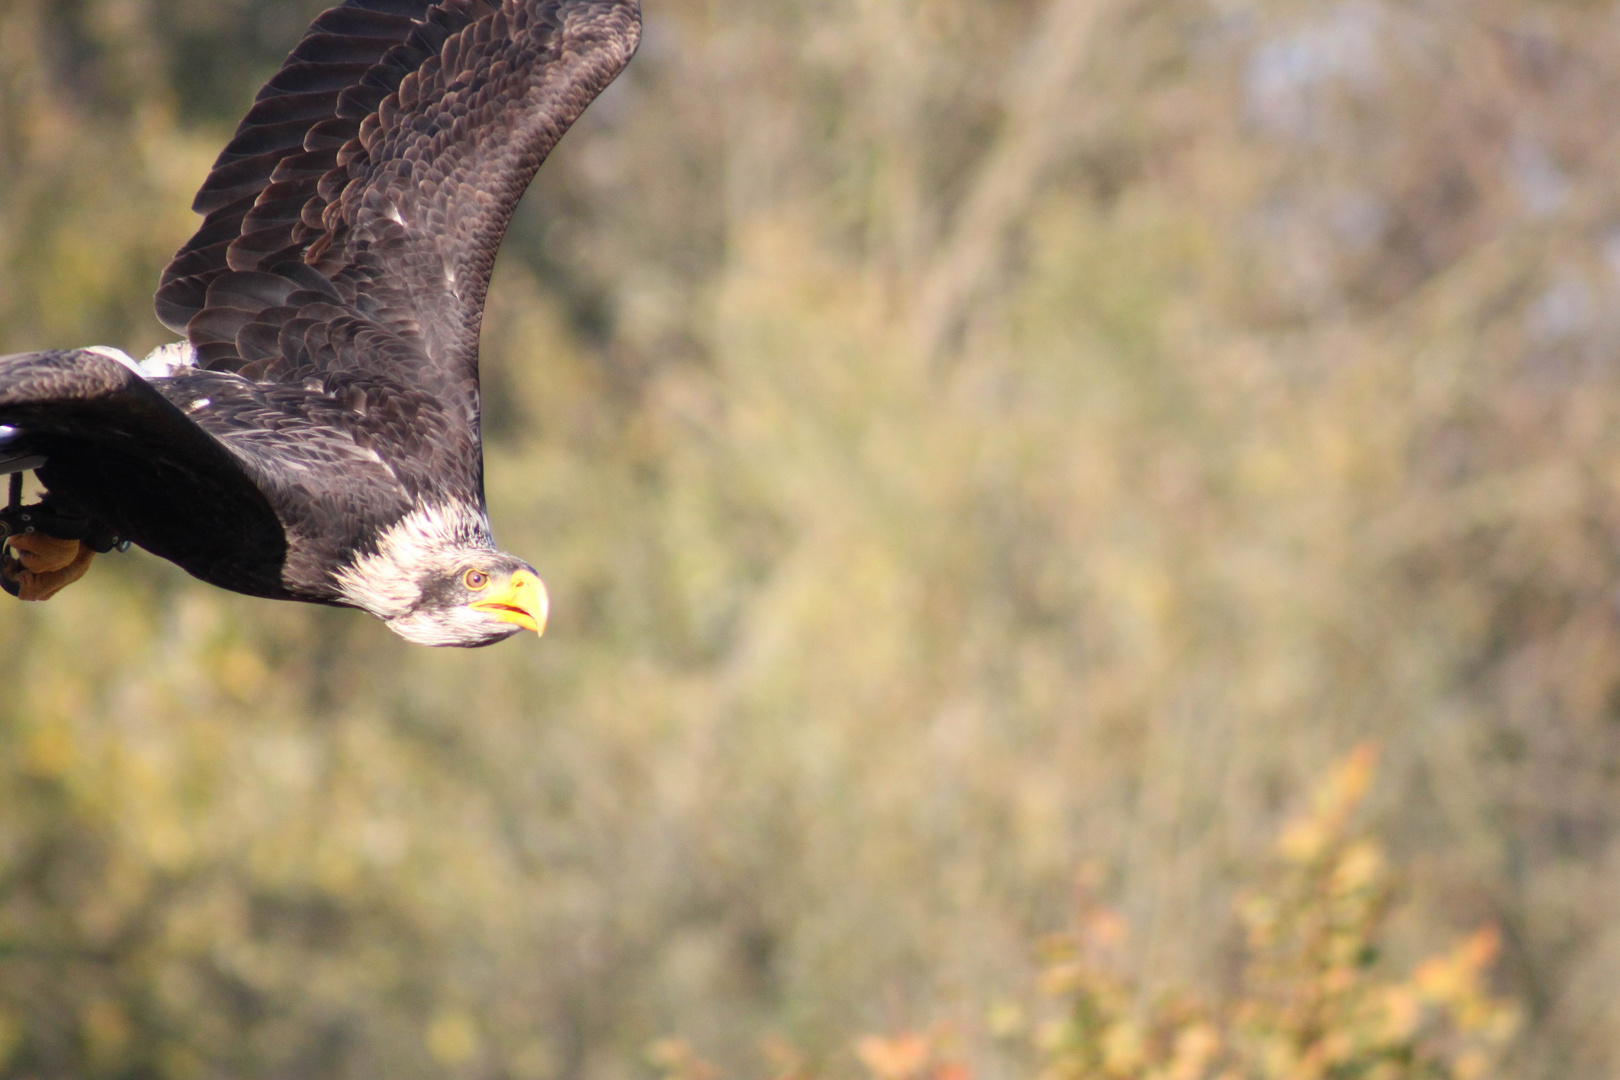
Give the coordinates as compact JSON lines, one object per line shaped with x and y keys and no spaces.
{"x":315,"y":437}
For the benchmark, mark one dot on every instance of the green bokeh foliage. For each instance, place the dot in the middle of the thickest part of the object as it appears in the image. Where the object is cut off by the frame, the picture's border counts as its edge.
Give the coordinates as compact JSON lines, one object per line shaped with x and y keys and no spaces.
{"x":966,"y":440}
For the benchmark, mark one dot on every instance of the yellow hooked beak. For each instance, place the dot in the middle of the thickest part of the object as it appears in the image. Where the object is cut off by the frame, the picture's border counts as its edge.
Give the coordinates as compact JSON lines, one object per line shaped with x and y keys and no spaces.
{"x":521,"y":600}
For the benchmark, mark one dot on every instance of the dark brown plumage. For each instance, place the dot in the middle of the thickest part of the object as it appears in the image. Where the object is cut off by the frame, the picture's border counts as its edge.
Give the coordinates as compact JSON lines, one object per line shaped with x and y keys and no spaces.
{"x":325,"y":445}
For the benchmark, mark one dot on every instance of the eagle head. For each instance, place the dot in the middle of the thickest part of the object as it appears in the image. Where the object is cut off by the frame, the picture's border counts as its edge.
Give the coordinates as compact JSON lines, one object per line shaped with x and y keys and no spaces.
{"x":436,"y":579}
{"x":484,"y":596}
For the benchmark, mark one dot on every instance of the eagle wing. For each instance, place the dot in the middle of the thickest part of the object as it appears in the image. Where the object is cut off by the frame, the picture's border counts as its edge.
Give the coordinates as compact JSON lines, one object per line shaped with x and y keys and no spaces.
{"x":352,"y":222}
{"x":104,"y":428}
{"x":333,"y":296}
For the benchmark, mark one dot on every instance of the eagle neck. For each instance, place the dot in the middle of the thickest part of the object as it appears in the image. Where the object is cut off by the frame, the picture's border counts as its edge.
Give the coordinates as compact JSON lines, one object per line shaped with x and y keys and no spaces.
{"x":384,"y":578}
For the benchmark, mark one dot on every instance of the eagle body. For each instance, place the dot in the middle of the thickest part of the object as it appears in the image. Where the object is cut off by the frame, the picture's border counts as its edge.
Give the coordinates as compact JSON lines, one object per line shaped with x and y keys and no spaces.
{"x":316,"y":436}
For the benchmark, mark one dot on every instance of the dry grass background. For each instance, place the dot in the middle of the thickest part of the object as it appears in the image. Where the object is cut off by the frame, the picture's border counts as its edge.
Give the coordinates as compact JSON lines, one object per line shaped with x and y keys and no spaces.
{"x":972,"y":444}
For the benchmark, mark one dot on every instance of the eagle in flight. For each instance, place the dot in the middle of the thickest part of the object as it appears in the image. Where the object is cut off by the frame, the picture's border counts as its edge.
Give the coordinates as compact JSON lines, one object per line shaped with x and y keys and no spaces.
{"x":315,"y":437}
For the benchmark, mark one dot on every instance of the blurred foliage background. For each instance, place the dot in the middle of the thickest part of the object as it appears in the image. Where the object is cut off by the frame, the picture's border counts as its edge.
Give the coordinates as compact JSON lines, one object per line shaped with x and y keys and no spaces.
{"x":971,"y":444}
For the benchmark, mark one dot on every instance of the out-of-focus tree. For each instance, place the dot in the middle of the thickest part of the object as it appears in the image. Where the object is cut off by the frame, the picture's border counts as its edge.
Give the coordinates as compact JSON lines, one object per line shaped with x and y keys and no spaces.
{"x":966,"y":439}
{"x":1310,"y":1001}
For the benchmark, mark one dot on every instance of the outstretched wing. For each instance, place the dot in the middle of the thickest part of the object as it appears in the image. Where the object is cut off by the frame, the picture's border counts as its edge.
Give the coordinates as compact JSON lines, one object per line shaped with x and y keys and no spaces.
{"x":117,"y":446}
{"x":352,"y":222}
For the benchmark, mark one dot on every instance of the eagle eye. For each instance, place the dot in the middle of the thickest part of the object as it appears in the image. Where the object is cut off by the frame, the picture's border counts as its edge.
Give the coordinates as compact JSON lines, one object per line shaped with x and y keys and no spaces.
{"x":475,"y":579}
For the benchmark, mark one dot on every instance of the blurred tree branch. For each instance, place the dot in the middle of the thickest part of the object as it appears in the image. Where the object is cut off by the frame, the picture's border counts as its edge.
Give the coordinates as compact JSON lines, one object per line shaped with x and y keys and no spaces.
{"x":1038,"y":128}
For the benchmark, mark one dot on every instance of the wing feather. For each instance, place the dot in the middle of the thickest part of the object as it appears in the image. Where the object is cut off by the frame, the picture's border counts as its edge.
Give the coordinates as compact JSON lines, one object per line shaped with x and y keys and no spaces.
{"x":153,"y":472}
{"x":352,"y":222}
{"x":342,"y":48}
{"x":387,"y":156}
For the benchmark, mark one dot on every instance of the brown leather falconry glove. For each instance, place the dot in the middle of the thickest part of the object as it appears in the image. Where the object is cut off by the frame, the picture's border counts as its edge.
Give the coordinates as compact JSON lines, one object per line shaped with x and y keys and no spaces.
{"x":42,"y":566}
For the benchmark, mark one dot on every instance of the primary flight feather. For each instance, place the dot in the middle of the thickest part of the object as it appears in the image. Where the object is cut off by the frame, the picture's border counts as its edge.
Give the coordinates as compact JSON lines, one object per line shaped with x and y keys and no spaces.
{"x":316,"y":436}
